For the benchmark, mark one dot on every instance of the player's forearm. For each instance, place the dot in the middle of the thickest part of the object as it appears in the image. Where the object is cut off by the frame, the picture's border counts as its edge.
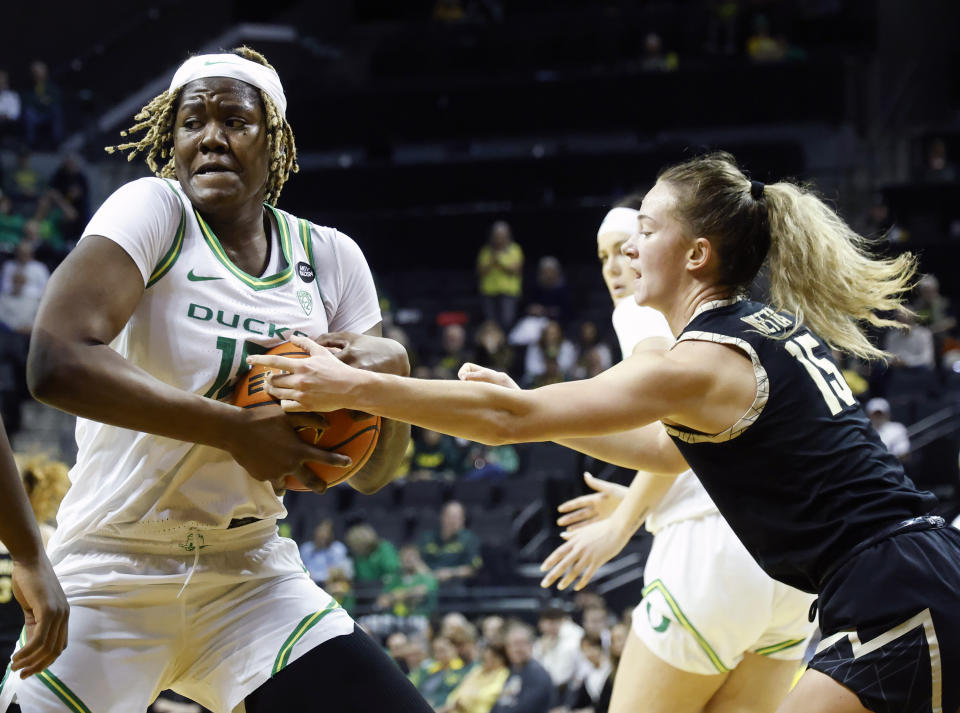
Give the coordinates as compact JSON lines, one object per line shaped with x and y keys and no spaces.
{"x":95,"y":382}
{"x":639,"y":449}
{"x":645,"y":493}
{"x":18,"y":528}
{"x":384,"y":463}
{"x":494,"y":415}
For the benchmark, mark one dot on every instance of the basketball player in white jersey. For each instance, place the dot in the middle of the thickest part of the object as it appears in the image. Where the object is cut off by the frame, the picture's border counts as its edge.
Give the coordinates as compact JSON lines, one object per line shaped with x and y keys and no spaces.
{"x":713,"y":632}
{"x":167,"y":546}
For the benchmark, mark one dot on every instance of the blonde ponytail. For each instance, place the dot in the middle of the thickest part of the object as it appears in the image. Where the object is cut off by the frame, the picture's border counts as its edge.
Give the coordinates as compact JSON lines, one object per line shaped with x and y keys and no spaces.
{"x":821,"y":271}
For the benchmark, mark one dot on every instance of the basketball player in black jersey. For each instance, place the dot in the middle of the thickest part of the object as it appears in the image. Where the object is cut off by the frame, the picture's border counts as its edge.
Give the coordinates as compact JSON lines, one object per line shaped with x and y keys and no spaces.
{"x":29,"y":578}
{"x":751,"y":398}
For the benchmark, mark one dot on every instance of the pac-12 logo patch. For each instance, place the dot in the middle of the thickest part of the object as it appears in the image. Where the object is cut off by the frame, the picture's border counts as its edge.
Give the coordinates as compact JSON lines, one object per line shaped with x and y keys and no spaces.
{"x":305,"y":271}
{"x":306,"y":301}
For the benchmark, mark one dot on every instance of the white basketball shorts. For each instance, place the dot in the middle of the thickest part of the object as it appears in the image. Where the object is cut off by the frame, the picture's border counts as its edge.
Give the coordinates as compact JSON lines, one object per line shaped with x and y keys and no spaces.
{"x":248,"y":610}
{"x":706,"y":601}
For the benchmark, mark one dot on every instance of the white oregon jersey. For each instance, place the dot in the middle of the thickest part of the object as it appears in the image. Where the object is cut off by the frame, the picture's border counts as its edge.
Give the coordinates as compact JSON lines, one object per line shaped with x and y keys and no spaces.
{"x":200,"y":316}
{"x":686,"y":498}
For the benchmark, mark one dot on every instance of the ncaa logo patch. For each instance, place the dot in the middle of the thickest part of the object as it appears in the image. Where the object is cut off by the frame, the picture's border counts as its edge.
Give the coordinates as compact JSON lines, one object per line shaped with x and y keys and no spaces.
{"x":305,"y":272}
{"x":306,"y":301}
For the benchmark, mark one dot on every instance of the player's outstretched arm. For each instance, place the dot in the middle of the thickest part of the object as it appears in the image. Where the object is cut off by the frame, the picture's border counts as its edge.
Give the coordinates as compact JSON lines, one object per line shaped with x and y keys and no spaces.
{"x":372,"y":352}
{"x":35,"y":586}
{"x":634,"y":393}
{"x":71,"y":366}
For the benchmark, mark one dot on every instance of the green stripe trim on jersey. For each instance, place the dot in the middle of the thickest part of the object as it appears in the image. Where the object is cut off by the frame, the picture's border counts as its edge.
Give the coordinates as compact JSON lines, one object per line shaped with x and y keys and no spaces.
{"x":62,"y":691}
{"x":659,"y":586}
{"x":305,"y":238}
{"x":776,"y":648}
{"x":307,"y":623}
{"x":257,"y":283}
{"x":166,"y":262}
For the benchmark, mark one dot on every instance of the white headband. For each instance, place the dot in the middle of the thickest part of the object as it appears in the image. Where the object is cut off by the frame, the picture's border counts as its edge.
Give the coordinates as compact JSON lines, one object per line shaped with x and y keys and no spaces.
{"x":619,"y":220}
{"x":234,"y":67}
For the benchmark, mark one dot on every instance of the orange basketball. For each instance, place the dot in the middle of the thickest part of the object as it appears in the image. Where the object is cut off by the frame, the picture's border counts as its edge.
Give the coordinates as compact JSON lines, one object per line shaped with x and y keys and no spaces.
{"x":351,"y":433}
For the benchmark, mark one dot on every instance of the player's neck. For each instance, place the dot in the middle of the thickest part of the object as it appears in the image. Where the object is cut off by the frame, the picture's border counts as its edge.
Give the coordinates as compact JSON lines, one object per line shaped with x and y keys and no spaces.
{"x":240,"y":227}
{"x":683,"y":309}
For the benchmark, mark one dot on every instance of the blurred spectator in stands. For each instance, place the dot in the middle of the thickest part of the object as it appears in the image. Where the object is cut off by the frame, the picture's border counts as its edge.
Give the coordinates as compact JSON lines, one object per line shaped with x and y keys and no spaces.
{"x":436,"y":456}
{"x":761,"y":46}
{"x":654,"y":58}
{"x":449,"y":11}
{"x":722,"y":22}
{"x":11,"y":225}
{"x":454,"y":352}
{"x":500,"y":275}
{"x":879,"y":223}
{"x":495,"y":462}
{"x":529,"y":688}
{"x":443,"y":673}
{"x":596,"y":622}
{"x":932,"y":308}
{"x":70,"y":190}
{"x":453,"y":552}
{"x":593,"y":356}
{"x":411,"y":593}
{"x":492,"y":349}
{"x":463,"y":635}
{"x":558,"y":647}
{"x":550,"y":295}
{"x":325,"y":553}
{"x":396,"y":645}
{"x":374,"y":559}
{"x":938,"y":168}
{"x":417,"y":658}
{"x":618,"y":639}
{"x":34,"y":273}
{"x":9,"y":108}
{"x":586,"y":689}
{"x":551,"y":350}
{"x":893,"y":434}
{"x":17,"y":313}
{"x":24,"y":185}
{"x":492,"y":627}
{"x":911,"y":347}
{"x":340,"y":586}
{"x":479,"y":690}
{"x":42,"y":110}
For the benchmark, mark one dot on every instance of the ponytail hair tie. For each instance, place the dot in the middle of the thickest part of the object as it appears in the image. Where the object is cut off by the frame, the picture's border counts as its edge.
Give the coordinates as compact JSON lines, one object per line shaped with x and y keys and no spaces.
{"x":756,"y":189}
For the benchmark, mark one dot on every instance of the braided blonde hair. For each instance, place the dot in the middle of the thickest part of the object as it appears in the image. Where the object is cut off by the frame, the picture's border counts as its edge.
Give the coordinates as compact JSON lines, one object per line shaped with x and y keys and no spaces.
{"x":157,"y":119}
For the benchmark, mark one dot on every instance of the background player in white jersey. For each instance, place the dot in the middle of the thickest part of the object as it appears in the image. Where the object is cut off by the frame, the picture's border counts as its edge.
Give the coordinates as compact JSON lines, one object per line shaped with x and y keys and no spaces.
{"x":713,"y":631}
{"x":167,"y":544}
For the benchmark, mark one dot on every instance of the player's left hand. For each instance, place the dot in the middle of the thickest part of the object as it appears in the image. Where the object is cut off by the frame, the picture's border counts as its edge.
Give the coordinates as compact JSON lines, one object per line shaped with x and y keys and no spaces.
{"x":364,"y":351}
{"x":318,"y":383}
{"x":586,"y":549}
{"x":45,"y":613}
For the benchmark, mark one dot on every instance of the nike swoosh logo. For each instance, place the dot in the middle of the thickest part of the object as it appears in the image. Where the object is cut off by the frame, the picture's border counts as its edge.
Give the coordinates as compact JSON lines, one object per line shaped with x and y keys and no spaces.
{"x":200,"y":278}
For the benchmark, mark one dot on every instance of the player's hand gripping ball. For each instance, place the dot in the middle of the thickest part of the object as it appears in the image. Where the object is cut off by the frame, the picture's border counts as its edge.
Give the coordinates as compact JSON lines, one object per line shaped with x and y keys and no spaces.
{"x":351,"y":433}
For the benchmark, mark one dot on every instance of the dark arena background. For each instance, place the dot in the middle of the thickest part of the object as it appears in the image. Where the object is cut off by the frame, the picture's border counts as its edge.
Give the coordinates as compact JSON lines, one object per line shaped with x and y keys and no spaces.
{"x":421,"y":125}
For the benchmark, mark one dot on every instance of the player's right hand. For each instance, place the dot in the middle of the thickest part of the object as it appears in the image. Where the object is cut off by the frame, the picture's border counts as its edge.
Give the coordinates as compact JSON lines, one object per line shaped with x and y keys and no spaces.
{"x":474,"y":372}
{"x":596,"y":506}
{"x":267,"y":446}
{"x":45,"y":613}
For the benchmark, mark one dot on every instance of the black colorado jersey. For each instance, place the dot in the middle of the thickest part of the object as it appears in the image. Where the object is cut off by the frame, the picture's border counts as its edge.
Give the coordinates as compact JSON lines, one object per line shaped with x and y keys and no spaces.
{"x":803,"y":476}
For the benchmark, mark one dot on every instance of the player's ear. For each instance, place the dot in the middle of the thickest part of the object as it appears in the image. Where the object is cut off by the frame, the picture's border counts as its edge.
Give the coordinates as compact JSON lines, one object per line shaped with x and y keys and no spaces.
{"x":699,"y":254}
